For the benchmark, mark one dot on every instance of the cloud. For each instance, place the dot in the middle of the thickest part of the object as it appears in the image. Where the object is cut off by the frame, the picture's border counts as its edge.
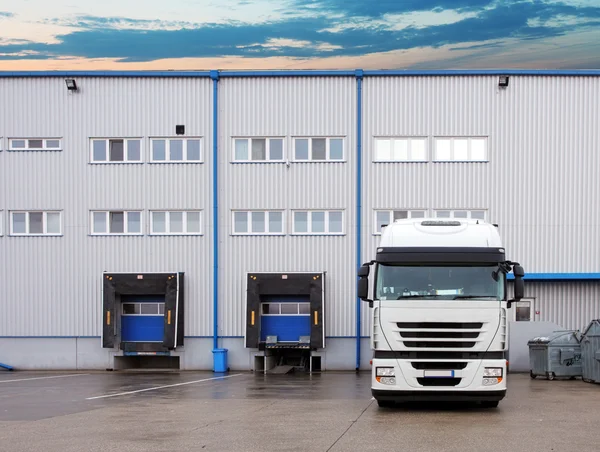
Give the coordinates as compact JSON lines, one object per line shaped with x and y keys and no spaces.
{"x":330,"y":30}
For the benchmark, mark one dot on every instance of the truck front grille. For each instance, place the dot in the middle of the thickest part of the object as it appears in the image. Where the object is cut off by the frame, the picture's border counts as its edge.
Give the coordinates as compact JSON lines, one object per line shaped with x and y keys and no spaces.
{"x":440,"y":334}
{"x":438,"y":365}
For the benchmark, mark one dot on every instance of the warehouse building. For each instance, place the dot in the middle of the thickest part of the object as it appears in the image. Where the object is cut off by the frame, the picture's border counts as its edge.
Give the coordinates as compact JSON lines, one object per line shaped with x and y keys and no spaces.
{"x":156,"y":218}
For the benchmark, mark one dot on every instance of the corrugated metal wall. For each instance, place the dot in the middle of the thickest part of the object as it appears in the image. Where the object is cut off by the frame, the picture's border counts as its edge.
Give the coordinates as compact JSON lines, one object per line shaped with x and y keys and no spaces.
{"x":572,"y":305}
{"x":540,"y":184}
{"x":52,"y":286}
{"x":287,"y":107}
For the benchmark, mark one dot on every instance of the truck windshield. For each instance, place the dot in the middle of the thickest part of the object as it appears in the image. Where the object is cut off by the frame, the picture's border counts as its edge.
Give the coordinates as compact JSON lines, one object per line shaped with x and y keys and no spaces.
{"x":395,"y":282}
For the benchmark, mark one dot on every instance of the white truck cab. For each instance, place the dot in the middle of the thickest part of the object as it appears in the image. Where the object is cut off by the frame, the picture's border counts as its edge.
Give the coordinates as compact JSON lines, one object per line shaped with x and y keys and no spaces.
{"x":439,"y":311}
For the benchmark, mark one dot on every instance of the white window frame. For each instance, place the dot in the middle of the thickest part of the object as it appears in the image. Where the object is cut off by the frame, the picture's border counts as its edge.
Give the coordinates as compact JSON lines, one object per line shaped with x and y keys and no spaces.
{"x":327,"y":149}
{"x":168,"y":222}
{"x":125,"y":222}
{"x":452,"y":139}
{"x":249,"y":222}
{"x":390,"y":213}
{"x":409,"y":140}
{"x":267,"y":151}
{"x":469,"y":213}
{"x":44,"y":232}
{"x":125,"y":160}
{"x":44,"y":147}
{"x":167,"y":141}
{"x":309,"y":221}
{"x":1,"y":222}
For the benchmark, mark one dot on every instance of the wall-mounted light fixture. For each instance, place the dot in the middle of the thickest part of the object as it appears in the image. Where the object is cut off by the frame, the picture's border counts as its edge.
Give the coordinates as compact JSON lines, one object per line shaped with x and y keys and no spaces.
{"x":71,"y":84}
{"x":503,"y":81}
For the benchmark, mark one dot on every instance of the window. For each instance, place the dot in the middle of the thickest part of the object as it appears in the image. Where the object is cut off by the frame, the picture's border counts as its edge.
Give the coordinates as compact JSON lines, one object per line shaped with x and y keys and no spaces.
{"x":175,"y":222}
{"x":1,"y":223}
{"x":400,"y":149}
{"x":116,"y":150}
{"x":386,"y":217}
{"x":34,"y":144}
{"x":461,"y":149}
{"x":143,"y":308}
{"x":35,"y":223}
{"x":258,"y":149}
{"x":318,"y":149}
{"x":474,"y":214}
{"x":285,"y":308}
{"x":523,"y":311}
{"x":176,"y":150}
{"x":319,"y":222}
{"x":258,"y":222}
{"x":116,"y":222}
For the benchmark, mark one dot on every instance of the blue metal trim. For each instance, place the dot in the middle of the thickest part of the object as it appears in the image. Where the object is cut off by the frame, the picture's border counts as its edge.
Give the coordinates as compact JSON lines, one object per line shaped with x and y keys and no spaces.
{"x":189,"y":74}
{"x":214,"y":75}
{"x":359,"y":79}
{"x":539,"y":72}
{"x":301,"y":73}
{"x":6,"y":366}
{"x":284,"y":73}
{"x":558,"y":276}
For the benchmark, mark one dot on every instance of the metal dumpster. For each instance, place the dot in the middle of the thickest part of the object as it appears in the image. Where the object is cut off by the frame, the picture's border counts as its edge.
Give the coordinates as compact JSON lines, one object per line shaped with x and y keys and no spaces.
{"x":558,"y":355}
{"x":590,"y":350}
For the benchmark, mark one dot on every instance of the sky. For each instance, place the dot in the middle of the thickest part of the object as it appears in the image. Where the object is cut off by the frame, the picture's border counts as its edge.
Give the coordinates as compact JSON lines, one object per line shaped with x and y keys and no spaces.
{"x":299,"y":34}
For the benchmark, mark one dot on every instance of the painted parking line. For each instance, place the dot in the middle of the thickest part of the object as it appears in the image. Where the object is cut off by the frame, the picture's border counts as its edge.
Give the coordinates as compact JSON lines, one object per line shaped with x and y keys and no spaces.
{"x":43,"y":378}
{"x":161,"y":387}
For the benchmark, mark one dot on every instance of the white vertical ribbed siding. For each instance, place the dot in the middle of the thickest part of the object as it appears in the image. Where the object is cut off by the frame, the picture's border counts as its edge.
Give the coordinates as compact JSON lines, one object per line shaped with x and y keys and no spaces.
{"x":52,"y":286}
{"x":287,"y":107}
{"x":541,"y":182}
{"x":572,"y":305}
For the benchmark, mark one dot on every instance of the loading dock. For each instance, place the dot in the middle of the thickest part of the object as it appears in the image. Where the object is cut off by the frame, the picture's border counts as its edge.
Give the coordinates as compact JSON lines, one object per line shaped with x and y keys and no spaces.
{"x":143,"y":318}
{"x":285,"y":320}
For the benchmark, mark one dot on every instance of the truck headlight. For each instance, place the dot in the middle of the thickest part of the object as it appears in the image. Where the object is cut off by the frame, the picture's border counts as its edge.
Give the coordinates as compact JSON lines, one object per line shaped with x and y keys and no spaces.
{"x":386,"y":372}
{"x":492,"y":372}
{"x":385,"y":375}
{"x":492,"y":376}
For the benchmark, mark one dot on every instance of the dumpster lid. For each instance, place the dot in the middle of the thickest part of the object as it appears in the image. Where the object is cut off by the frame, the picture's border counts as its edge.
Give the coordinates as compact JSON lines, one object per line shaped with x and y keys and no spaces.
{"x":561,"y":337}
{"x":593,"y":329}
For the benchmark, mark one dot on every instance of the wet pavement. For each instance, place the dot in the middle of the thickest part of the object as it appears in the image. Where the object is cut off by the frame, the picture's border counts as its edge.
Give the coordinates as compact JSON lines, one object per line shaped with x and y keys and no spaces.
{"x":180,"y":411}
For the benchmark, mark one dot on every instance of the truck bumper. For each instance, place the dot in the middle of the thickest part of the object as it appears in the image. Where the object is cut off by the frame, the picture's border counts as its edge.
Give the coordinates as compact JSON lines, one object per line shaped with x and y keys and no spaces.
{"x":413,"y":383}
{"x":438,"y":396}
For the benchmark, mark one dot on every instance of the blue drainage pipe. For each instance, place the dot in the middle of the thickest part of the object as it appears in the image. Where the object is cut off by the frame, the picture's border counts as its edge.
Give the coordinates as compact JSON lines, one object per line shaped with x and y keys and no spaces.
{"x":214,"y":75}
{"x":359,"y":79}
{"x":6,"y":366}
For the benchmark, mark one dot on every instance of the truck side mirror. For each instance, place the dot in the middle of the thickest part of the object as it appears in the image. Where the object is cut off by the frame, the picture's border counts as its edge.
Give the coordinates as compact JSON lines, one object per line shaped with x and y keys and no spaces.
{"x":363,"y":282}
{"x":518,"y":271}
{"x":364,"y":270}
{"x":363,"y":288}
{"x":519,"y":287}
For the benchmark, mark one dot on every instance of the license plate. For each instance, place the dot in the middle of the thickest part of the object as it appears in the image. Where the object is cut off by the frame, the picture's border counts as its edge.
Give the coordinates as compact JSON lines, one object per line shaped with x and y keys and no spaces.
{"x":438,"y":373}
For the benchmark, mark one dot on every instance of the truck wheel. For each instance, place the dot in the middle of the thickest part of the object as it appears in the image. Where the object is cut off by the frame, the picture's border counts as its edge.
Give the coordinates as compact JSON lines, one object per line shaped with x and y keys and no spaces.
{"x":488,"y":404}
{"x":551,"y":375}
{"x":386,"y":403}
{"x":532,"y":375}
